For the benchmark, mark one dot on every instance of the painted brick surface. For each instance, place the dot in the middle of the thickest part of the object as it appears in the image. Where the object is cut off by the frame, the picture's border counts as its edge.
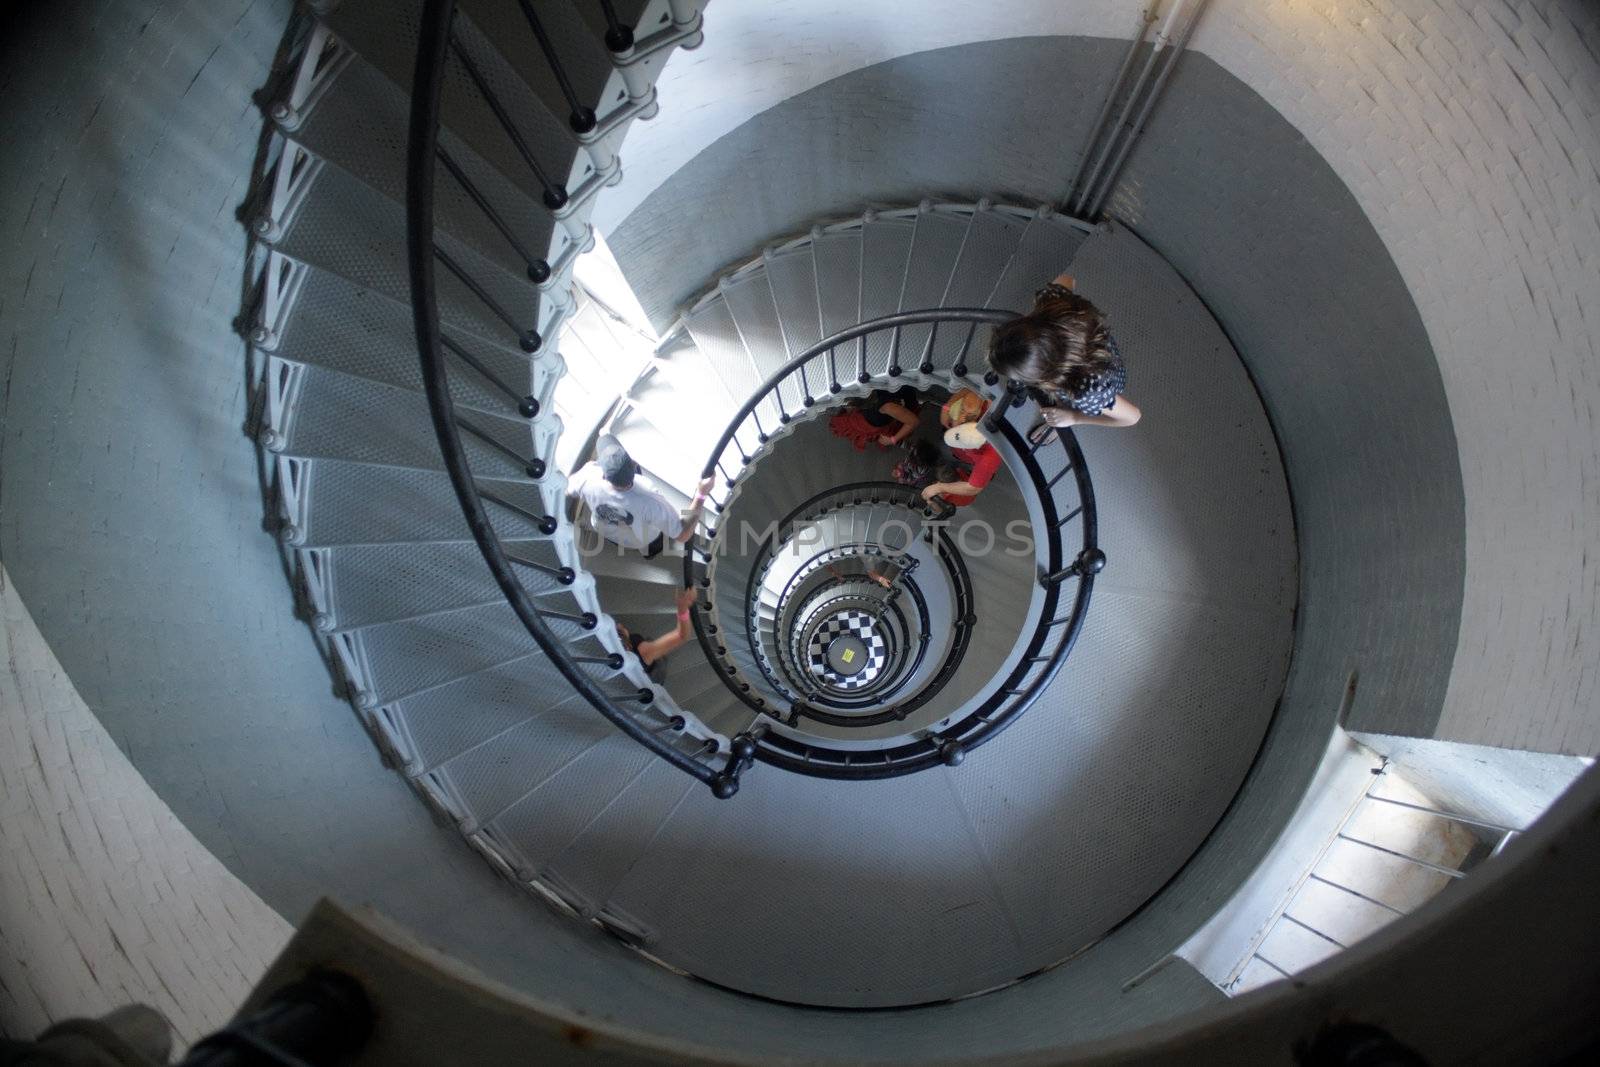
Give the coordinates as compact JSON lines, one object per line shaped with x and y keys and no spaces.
{"x":105,"y":897}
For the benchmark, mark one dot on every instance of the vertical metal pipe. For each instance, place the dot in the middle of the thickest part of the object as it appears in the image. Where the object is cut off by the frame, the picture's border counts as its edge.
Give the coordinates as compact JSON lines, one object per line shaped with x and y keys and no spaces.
{"x":1174,"y":52}
{"x":1138,"y":88}
{"x":1146,"y":17}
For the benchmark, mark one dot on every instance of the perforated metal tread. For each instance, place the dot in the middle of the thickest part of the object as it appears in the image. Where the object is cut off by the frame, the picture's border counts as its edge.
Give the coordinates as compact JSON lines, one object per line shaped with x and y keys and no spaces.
{"x":338,"y":416}
{"x":346,"y":503}
{"x":362,"y":129}
{"x":385,"y":33}
{"x":336,"y":324}
{"x":370,"y":584}
{"x":348,"y":228}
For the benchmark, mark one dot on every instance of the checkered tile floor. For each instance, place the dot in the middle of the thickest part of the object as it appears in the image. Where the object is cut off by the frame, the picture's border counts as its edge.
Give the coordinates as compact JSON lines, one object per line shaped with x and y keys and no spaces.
{"x":858,"y":623}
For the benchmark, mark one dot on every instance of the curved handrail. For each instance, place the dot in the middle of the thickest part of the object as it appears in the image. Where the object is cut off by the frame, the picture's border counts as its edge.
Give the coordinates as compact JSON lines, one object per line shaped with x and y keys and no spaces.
{"x":1044,"y":653}
{"x":434,"y":39}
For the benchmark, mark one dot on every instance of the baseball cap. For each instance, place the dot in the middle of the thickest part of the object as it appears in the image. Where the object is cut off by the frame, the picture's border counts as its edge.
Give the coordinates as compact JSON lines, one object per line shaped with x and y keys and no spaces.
{"x":615,"y":463}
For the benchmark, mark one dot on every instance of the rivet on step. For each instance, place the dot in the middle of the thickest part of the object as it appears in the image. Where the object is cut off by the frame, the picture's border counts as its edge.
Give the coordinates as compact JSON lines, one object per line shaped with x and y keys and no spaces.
{"x":677,"y":722}
{"x":272,"y":440}
{"x":290,"y":534}
{"x":647,"y":696}
{"x":266,"y":229}
{"x":529,"y":341}
{"x":322,"y":622}
{"x":538,"y":272}
{"x":926,"y":368}
{"x":583,"y":120}
{"x":364,"y":700}
{"x":528,"y":407}
{"x":535,"y":469}
{"x":808,"y":401}
{"x":566,"y":576}
{"x":864,"y":378}
{"x":262,"y":337}
{"x":285,"y":116}
{"x":555,"y":198}
{"x":959,"y":370}
{"x":589,"y":620}
{"x":991,"y":378}
{"x":614,"y":661}
{"x":548,"y":525}
{"x":951,"y":753}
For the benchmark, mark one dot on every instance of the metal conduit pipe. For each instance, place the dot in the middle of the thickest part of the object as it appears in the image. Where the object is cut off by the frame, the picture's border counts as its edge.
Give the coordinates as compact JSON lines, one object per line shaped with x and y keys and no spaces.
{"x":1146,"y":17}
{"x":1173,"y":53}
{"x":1138,"y":88}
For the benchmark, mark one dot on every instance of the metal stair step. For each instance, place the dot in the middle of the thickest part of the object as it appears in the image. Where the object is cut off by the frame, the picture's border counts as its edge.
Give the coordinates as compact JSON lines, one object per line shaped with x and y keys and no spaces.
{"x":360,"y":125}
{"x":1045,"y":250}
{"x":338,"y":502}
{"x":364,"y":585}
{"x":337,"y":416}
{"x":513,"y":769}
{"x":885,"y":251}
{"x":446,"y":721}
{"x":334,"y":323}
{"x":417,"y":654}
{"x":348,"y":228}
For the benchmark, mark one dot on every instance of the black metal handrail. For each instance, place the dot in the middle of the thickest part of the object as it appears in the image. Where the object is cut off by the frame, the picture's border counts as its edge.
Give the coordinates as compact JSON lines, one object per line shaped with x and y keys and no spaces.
{"x":422,"y":153}
{"x":1055,"y":632}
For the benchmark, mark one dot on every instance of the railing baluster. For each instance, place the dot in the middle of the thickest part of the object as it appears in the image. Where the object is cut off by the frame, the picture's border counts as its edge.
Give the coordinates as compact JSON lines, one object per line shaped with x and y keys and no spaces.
{"x":527,"y":405}
{"x":564,"y":575}
{"x":538,"y":269}
{"x":925,"y":365}
{"x":619,"y":38}
{"x":960,"y":368}
{"x":555,"y":194}
{"x":548,"y":524}
{"x":528,"y":340}
{"x":534,"y":467}
{"x":587,"y":620}
{"x":582,"y":118}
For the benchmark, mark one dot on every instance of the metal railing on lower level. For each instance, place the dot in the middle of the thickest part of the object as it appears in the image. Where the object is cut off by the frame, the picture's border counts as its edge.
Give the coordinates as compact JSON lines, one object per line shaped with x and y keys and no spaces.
{"x":1052,"y":470}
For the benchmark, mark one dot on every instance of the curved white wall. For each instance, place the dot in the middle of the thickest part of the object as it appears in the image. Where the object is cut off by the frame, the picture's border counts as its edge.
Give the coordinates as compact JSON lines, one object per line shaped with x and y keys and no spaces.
{"x":1469,"y":134}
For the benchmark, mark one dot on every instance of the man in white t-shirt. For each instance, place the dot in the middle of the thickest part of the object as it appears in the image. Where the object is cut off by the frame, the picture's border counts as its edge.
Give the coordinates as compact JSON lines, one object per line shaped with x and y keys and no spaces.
{"x":627,"y":514}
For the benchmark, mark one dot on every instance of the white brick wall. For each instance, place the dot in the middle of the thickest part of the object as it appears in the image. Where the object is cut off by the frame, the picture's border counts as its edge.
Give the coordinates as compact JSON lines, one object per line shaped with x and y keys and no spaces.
{"x":105,"y":898}
{"x":1470,"y":135}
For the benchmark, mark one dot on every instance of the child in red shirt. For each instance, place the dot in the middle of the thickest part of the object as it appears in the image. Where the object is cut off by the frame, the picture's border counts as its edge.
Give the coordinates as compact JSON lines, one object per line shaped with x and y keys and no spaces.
{"x":971,"y":449}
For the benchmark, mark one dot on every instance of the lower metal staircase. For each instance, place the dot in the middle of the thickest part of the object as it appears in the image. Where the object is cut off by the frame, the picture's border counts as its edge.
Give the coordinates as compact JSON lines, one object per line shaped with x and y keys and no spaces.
{"x":502,"y":690}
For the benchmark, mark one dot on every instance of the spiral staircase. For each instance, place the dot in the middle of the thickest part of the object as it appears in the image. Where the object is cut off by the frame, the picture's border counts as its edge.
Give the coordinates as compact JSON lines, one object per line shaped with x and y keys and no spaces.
{"x":1016,"y":769}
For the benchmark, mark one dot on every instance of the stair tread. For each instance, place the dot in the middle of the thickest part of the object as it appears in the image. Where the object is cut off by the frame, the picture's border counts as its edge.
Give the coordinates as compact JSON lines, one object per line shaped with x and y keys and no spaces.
{"x":339,"y":416}
{"x":349,"y":503}
{"x":336,"y":324}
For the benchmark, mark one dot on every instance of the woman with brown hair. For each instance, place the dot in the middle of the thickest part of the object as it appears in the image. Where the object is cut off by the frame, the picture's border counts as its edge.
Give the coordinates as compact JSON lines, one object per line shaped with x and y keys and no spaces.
{"x":1064,"y":353}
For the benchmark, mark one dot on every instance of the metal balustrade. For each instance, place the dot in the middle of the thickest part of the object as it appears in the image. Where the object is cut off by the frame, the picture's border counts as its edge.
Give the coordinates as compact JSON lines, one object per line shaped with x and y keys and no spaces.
{"x":603,"y":679}
{"x":1057,"y":477}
